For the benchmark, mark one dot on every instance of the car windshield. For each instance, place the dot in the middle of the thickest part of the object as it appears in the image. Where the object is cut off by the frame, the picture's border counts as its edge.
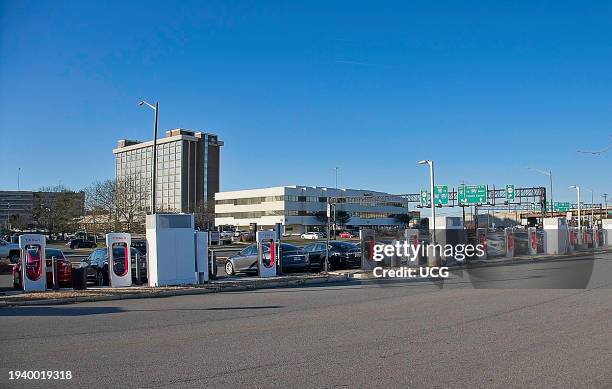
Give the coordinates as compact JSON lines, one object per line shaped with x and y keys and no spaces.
{"x":342,"y":245}
{"x":50,"y":253}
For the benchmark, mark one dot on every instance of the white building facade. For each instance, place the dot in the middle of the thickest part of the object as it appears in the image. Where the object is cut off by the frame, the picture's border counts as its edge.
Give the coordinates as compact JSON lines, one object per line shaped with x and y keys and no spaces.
{"x":303,"y":208}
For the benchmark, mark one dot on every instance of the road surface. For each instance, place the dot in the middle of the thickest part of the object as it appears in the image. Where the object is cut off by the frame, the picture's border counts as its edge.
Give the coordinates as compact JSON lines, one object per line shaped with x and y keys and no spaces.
{"x":368,"y":334}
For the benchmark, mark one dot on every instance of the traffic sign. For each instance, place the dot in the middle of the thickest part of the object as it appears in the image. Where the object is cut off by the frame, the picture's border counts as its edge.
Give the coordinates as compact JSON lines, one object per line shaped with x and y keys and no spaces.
{"x":510,"y":192}
{"x":472,"y":194}
{"x":424,"y":197}
{"x":440,"y":194}
{"x":560,"y":207}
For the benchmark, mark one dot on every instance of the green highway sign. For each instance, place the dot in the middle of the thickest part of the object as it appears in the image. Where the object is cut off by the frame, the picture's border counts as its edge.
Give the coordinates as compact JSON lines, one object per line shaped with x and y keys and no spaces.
{"x":472,"y":194}
{"x":510,"y":192}
{"x":440,"y":194}
{"x":560,"y":207}
{"x":424,"y":197}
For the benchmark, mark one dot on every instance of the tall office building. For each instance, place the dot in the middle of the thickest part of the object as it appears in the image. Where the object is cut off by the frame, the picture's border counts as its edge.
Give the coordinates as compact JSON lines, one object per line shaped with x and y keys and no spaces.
{"x":187,"y":170}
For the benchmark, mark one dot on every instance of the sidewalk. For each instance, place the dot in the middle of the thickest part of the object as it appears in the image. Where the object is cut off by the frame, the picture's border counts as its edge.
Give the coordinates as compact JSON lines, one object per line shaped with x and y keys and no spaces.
{"x":69,"y":296}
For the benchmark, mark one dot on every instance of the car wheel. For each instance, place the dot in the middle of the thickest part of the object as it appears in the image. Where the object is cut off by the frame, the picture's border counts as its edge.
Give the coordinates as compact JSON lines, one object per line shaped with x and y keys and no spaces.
{"x":229,"y":268}
{"x":99,"y":279}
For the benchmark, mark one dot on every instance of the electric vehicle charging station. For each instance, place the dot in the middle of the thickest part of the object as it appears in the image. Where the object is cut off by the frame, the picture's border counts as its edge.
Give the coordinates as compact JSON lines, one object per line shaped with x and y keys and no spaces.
{"x":266,"y":263}
{"x":532,"y":244}
{"x":119,"y":259}
{"x":172,"y":251}
{"x":367,"y":237}
{"x":606,"y":225}
{"x":509,"y":240}
{"x":595,"y":236}
{"x":33,"y":262}
{"x":412,"y":237}
{"x":201,"y":249}
{"x":481,"y":233}
{"x":556,"y":235}
{"x":571,"y":246}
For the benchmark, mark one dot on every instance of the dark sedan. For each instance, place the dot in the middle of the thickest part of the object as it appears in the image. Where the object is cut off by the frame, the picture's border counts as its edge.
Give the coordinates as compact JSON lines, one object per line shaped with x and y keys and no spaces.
{"x":341,"y":255}
{"x":97,"y":266}
{"x":81,"y":243}
{"x":292,"y":257}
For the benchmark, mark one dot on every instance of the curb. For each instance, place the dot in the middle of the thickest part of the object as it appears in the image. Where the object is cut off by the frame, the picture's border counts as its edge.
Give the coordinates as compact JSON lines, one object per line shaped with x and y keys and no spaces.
{"x":212,"y":288}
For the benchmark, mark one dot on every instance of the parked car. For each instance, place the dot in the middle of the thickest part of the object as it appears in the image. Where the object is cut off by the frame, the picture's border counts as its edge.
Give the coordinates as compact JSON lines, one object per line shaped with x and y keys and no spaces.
{"x":9,"y":250}
{"x":64,"y":269}
{"x":96,"y":265}
{"x":347,"y":235}
{"x":140,"y":245}
{"x":293,"y":258}
{"x":78,"y":243}
{"x":312,"y":235}
{"x":341,"y":255}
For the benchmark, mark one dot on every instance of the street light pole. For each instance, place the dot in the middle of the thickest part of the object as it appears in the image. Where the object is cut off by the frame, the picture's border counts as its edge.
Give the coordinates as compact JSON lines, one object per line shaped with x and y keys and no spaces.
{"x":605,"y":197}
{"x":335,"y":222}
{"x":154,"y":168}
{"x":430,"y":163}
{"x":18,"y":179}
{"x":592,"y":222}
{"x":550,"y":176}
{"x":579,"y":217}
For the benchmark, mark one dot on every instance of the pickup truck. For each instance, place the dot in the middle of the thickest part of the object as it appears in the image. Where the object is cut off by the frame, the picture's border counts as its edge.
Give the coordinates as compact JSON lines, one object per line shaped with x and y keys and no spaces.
{"x":9,"y":250}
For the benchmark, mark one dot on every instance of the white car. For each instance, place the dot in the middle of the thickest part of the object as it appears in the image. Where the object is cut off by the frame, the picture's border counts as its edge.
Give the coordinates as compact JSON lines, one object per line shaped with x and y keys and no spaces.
{"x":311,"y":235}
{"x":9,"y":250}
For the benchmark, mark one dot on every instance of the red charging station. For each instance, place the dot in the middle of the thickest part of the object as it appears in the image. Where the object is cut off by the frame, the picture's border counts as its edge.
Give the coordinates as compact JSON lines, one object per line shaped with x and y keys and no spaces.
{"x":33,"y":263}
{"x":119,"y":259}
{"x":266,"y":253}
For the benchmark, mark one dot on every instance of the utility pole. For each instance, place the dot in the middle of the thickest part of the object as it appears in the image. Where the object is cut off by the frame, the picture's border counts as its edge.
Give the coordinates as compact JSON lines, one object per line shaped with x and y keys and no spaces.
{"x":335,"y":222}
{"x":18,"y":179}
{"x":430,"y":163}
{"x":605,"y":197}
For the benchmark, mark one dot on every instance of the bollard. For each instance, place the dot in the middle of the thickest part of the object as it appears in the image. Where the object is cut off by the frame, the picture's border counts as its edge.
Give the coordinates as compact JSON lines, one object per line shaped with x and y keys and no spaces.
{"x":212,"y":274}
{"x":137,"y":262}
{"x":509,"y":240}
{"x":54,"y":272}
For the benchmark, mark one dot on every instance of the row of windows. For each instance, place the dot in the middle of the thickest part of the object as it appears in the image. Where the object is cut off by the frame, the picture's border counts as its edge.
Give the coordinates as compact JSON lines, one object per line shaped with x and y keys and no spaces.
{"x":308,"y":199}
{"x":256,"y":214}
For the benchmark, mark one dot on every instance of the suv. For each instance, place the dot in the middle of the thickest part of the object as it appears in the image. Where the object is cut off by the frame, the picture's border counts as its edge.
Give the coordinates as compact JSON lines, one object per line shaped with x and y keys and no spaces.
{"x":9,"y":250}
{"x":81,"y":243}
{"x":96,"y":266}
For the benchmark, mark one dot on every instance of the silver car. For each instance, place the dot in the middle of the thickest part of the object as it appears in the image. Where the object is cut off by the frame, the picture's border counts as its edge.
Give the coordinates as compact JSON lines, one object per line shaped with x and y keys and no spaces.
{"x":293,"y":259}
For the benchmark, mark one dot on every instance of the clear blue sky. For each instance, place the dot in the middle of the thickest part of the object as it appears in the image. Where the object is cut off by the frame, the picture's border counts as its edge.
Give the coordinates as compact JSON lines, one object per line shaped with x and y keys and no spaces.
{"x":483,"y":89}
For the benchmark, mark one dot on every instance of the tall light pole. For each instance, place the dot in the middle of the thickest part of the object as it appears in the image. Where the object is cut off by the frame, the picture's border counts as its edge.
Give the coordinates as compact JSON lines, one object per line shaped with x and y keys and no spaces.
{"x":592,"y":222}
{"x":18,"y":179}
{"x":579,"y":217}
{"x":549,"y":174}
{"x":605,"y":197}
{"x":430,"y":163}
{"x":154,"y":169}
{"x":335,"y":223}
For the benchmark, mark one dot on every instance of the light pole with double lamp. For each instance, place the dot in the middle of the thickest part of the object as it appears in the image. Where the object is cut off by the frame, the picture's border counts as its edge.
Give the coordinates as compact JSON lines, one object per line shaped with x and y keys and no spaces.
{"x":549,"y":174}
{"x":430,"y":163}
{"x":154,"y":169}
{"x":592,"y":221}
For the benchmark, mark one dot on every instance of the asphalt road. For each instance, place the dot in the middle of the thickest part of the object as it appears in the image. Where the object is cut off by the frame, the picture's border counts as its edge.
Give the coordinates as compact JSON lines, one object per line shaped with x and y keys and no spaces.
{"x":368,"y":334}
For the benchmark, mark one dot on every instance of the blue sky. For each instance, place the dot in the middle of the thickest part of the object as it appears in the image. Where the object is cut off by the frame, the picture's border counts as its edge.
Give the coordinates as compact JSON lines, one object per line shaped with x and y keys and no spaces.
{"x":295,"y":89}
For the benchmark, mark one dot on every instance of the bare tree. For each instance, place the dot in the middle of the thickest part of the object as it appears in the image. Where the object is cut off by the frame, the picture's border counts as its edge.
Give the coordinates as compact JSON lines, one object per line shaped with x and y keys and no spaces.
{"x":205,"y":215}
{"x":100,"y":205}
{"x":131,"y":202}
{"x":57,"y":209}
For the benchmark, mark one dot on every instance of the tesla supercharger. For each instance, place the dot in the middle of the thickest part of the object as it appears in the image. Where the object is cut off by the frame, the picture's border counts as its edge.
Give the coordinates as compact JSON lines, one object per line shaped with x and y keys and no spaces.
{"x":606,"y":225}
{"x":571,"y":246}
{"x":266,"y":263}
{"x":481,"y":233}
{"x":509,"y":240}
{"x":367,"y":238}
{"x":33,"y":263}
{"x":201,"y":243}
{"x":595,"y":236}
{"x":532,"y":243}
{"x":119,"y":260}
{"x":412,"y":237}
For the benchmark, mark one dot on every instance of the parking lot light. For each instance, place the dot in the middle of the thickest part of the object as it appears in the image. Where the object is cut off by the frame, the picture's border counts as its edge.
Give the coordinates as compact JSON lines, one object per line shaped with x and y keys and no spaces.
{"x":431,"y":197}
{"x":154,"y":169}
{"x":578,"y":195}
